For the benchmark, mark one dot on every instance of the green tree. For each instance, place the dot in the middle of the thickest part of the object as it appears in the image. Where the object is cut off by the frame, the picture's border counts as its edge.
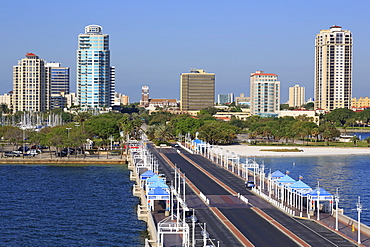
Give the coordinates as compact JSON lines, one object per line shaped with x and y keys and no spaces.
{"x":328,"y":131}
{"x":339,"y":116}
{"x":367,"y":139}
{"x":355,"y":139}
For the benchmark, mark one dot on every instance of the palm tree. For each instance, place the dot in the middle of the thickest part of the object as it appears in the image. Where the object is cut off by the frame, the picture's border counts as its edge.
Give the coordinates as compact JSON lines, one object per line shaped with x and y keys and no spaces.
{"x":367,"y":139}
{"x":355,"y":139}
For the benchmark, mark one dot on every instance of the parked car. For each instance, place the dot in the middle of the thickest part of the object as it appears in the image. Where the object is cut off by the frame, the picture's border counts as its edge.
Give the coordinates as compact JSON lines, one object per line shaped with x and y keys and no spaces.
{"x":11,"y":154}
{"x":71,"y":151}
{"x":20,"y":149}
{"x":32,"y":152}
{"x":61,"y":154}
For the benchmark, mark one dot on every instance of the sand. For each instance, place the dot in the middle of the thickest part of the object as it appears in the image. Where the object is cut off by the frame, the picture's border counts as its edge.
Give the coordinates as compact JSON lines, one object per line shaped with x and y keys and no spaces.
{"x":255,"y":151}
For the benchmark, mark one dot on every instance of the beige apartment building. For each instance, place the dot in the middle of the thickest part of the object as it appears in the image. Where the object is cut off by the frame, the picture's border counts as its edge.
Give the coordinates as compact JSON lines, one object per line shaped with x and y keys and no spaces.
{"x":197,"y":90}
{"x":333,"y":69}
{"x":360,"y":102}
{"x":264,"y":93}
{"x":296,"y":96}
{"x":31,"y":85}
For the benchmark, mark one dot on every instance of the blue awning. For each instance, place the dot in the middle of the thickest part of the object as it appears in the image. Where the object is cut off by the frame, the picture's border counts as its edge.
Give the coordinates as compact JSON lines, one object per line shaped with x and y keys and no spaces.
{"x":147,"y":174}
{"x":320,"y":191}
{"x":158,"y":184}
{"x":286,"y":180}
{"x":277,"y":174}
{"x":299,"y":185}
{"x":158,"y":191}
{"x":154,"y":178}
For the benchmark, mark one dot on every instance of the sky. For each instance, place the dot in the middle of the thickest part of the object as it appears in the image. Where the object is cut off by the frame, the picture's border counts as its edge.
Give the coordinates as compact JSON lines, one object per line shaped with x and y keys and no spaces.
{"x":153,"y":42}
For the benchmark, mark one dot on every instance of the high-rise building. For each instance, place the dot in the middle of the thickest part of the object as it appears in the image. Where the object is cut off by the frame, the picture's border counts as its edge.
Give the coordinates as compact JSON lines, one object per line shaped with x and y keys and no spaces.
{"x":264,"y":93}
{"x":95,"y":76}
{"x":333,"y":69}
{"x":296,"y":96}
{"x":225,"y":98}
{"x":31,"y":85}
{"x":59,"y":84}
{"x":197,"y":90}
{"x":144,"y":102}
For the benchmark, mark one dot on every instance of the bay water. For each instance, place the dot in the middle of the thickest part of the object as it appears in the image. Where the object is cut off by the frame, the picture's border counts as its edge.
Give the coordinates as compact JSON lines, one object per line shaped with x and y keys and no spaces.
{"x":56,"y":205}
{"x":349,"y":173}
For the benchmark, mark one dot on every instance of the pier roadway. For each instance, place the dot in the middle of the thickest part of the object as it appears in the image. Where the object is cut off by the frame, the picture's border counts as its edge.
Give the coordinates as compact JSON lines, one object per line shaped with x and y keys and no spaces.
{"x":308,"y":230}
{"x":215,"y":228}
{"x":250,"y":224}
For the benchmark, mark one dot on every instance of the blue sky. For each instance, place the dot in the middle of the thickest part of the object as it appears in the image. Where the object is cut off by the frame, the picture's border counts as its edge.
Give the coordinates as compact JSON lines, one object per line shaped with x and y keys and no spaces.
{"x":153,"y":42}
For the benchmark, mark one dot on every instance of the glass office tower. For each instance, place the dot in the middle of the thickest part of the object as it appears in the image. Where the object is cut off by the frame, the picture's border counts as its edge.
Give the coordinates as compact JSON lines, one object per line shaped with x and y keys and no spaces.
{"x":94,"y":74}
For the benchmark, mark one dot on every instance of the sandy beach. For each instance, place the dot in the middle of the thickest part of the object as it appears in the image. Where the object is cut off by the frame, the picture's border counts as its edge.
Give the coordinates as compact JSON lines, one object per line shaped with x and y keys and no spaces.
{"x":255,"y":151}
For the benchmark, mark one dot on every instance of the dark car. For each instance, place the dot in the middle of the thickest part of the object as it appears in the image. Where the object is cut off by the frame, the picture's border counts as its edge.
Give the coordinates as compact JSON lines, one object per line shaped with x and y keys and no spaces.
{"x":61,"y":154}
{"x":25,"y":149}
{"x":249,"y":184}
{"x":69,"y":150}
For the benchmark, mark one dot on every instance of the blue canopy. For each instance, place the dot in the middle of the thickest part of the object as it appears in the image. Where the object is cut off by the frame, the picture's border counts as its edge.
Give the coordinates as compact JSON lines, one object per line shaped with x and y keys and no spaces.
{"x":277,"y":174}
{"x":299,"y":185}
{"x":147,"y":174}
{"x":286,"y":180}
{"x":323,"y":192}
{"x":158,"y":191}
{"x":158,"y":184}
{"x":154,"y":178}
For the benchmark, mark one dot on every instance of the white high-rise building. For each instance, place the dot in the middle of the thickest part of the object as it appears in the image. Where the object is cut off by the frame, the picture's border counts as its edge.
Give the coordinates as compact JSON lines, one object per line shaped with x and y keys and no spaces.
{"x":333,"y":69}
{"x":31,"y":85}
{"x":264,"y":93}
{"x":296,"y":96}
{"x":95,"y":76}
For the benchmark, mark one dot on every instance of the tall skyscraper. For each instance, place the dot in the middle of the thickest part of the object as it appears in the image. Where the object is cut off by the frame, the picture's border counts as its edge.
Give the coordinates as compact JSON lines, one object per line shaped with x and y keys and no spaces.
{"x":333,"y":69}
{"x":31,"y":85}
{"x":296,"y":96}
{"x":264,"y":93}
{"x":197,"y":90}
{"x":95,"y":77}
{"x":59,"y":84}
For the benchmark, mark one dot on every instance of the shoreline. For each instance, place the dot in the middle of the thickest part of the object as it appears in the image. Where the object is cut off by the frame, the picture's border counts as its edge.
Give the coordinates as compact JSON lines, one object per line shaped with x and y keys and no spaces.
{"x":62,"y":161}
{"x":255,"y":151}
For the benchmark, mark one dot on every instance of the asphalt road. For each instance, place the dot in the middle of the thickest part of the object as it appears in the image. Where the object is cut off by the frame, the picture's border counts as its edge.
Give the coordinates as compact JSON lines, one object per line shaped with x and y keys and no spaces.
{"x":311,"y":232}
{"x":249,"y":223}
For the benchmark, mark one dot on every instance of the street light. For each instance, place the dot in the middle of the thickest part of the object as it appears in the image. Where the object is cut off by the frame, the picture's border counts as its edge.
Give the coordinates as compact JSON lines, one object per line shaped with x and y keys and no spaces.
{"x":359,"y":210}
{"x":336,"y":198}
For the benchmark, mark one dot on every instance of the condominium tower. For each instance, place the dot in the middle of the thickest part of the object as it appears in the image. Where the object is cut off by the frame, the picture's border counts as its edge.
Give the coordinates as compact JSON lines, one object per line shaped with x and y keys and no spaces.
{"x":31,"y":85}
{"x":264,"y":93}
{"x":197,"y":90}
{"x":95,"y":76}
{"x":59,"y":84}
{"x":296,"y":96}
{"x":333,"y":69}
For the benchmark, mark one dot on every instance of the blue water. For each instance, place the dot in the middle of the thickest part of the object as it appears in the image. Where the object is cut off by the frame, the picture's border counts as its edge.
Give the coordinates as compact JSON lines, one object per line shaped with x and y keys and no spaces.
{"x":361,"y":135}
{"x":68,"y":206}
{"x":349,"y":173}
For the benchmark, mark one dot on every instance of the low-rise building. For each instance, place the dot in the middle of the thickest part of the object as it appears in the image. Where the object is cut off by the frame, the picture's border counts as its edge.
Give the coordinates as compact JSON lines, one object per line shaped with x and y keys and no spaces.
{"x":360,"y":102}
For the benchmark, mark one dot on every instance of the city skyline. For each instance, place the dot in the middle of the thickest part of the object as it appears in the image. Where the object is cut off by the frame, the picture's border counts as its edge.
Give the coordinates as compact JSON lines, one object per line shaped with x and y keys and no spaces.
{"x":153,"y":43}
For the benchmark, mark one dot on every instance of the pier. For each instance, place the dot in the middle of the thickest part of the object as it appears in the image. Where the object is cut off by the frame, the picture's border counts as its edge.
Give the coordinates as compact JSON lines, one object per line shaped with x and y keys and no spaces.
{"x":215,"y":186}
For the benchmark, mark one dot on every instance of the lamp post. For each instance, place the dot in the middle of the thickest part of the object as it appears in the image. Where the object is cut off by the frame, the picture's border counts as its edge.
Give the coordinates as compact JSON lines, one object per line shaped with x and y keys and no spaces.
{"x":318,"y":203}
{"x":359,"y":210}
{"x":336,"y":198}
